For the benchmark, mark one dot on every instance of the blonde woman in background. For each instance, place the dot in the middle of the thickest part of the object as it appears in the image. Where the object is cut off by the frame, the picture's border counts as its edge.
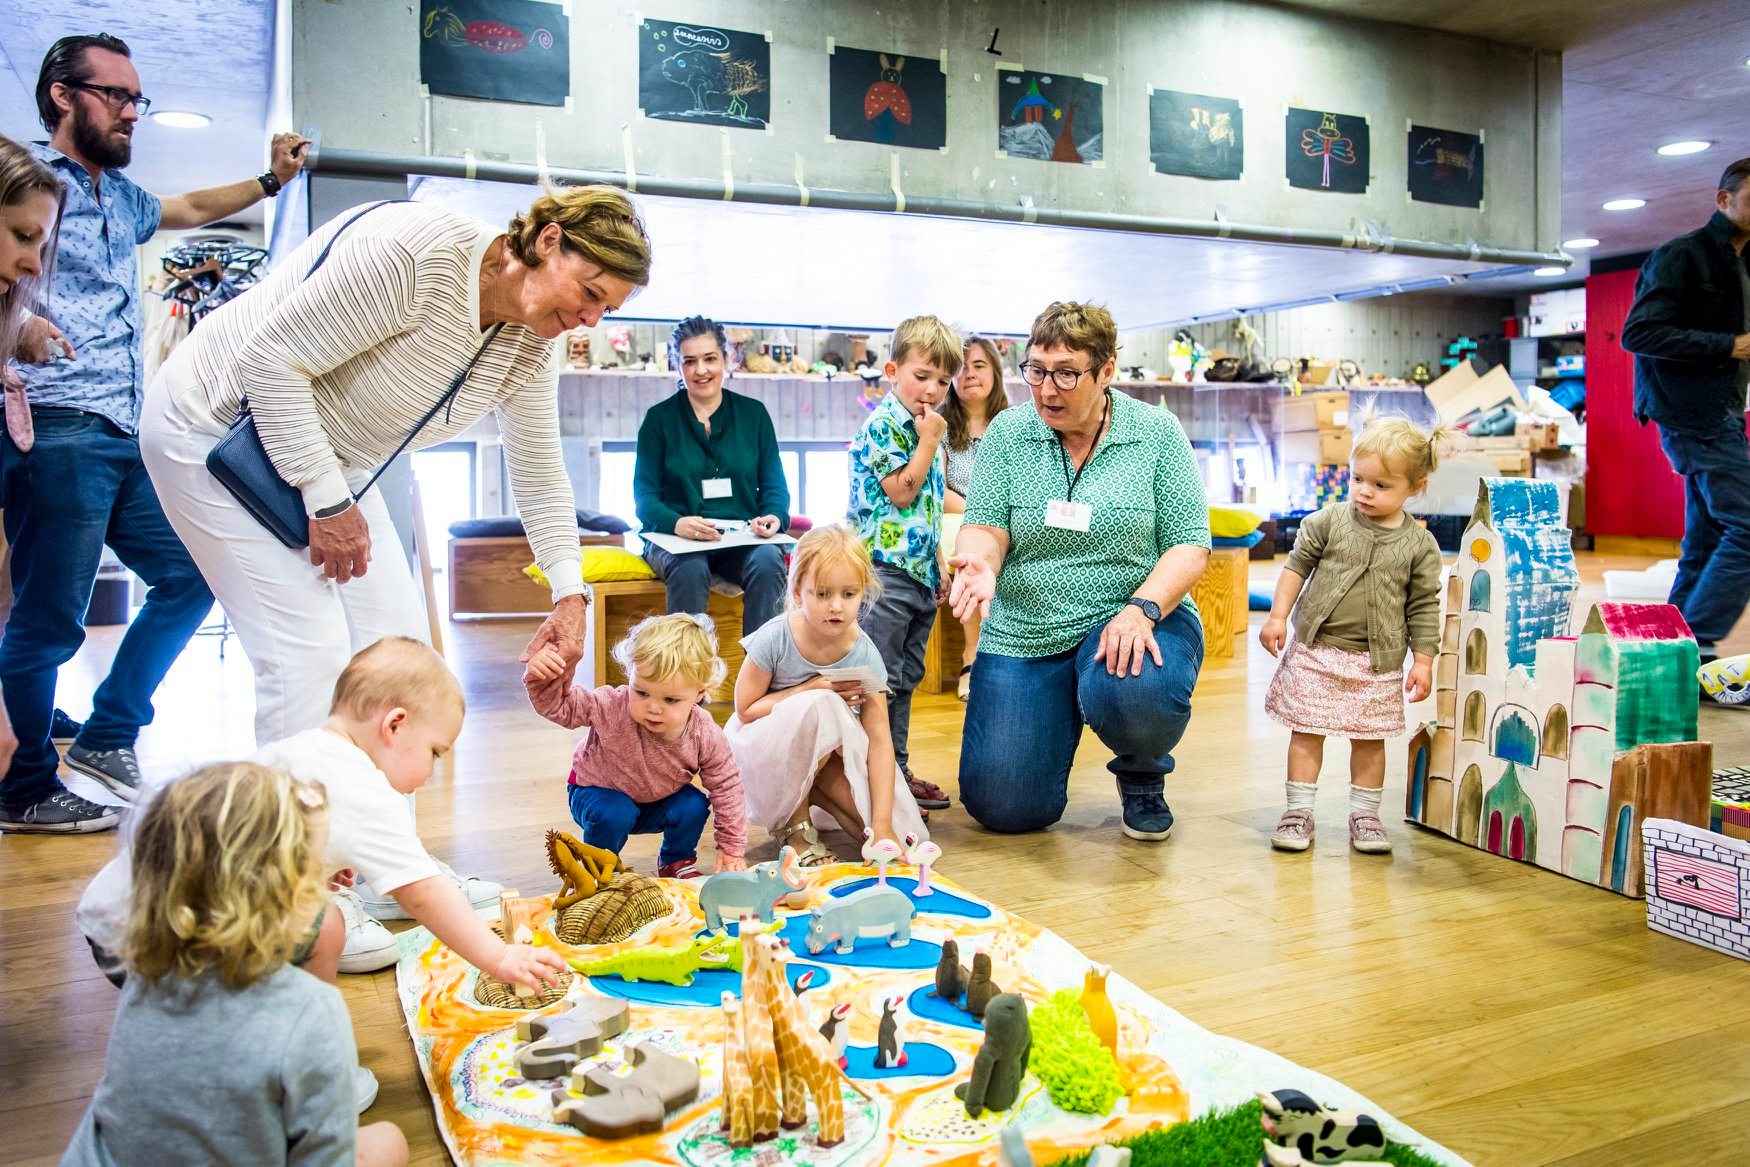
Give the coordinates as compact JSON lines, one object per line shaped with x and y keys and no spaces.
{"x":977,"y":397}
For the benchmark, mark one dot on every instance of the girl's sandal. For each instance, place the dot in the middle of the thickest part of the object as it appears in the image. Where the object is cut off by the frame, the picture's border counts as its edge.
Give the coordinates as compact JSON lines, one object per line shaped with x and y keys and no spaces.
{"x":816,"y":854}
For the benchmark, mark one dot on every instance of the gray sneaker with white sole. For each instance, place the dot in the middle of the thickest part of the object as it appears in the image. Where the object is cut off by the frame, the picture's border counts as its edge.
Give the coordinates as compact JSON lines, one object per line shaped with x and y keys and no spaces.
{"x":117,"y":770}
{"x":61,"y":813}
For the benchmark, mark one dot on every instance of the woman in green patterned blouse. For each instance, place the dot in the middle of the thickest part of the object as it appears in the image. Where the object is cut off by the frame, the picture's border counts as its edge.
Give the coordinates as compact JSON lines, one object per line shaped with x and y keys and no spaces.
{"x":1085,"y":530}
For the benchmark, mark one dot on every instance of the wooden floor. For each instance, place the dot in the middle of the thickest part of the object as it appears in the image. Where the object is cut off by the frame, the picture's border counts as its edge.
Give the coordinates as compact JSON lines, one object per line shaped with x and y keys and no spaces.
{"x":1518,"y":1017}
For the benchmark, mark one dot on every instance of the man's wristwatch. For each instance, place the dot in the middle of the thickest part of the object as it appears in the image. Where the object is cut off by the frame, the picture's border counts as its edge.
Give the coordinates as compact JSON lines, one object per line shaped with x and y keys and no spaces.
{"x":329,"y":512}
{"x":1149,"y":608}
{"x":270,"y":183}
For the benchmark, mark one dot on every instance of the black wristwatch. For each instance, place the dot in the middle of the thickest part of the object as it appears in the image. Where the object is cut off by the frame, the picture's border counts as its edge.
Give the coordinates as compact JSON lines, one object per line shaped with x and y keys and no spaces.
{"x":270,"y":183}
{"x":1149,"y":608}
{"x":329,"y":512}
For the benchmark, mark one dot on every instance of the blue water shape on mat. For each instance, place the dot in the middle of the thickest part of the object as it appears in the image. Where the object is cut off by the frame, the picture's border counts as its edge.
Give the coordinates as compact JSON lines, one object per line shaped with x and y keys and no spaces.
{"x":871,"y":952}
{"x":937,"y":903}
{"x":922,"y":1060}
{"x":706,"y":991}
{"x":927,"y":1008}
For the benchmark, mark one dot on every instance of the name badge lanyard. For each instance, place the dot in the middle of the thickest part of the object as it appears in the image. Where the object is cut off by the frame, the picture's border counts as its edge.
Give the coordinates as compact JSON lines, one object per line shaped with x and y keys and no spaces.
{"x":1105,"y":413}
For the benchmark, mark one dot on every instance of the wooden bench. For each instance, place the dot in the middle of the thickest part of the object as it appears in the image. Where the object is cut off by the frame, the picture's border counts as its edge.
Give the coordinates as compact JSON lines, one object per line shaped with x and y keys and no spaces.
{"x":486,"y":575}
{"x":620,"y":604}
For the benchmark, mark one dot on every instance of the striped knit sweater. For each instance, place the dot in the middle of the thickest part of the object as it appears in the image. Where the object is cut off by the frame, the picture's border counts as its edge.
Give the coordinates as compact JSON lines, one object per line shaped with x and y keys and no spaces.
{"x":1400,"y":568}
{"x":340,"y":366}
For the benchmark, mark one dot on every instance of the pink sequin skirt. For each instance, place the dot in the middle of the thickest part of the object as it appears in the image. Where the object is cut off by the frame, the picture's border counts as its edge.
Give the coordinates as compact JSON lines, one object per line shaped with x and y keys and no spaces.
{"x":1334,"y":692}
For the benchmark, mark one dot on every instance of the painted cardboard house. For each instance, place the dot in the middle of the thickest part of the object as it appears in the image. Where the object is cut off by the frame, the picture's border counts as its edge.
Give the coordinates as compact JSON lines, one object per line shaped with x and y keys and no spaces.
{"x":1550,"y":746}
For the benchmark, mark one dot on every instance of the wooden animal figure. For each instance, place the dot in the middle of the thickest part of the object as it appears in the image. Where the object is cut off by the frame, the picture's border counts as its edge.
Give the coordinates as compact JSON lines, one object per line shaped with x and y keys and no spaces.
{"x":558,"y":1041}
{"x":872,"y":912}
{"x":1001,"y":1062}
{"x":890,"y":1037}
{"x":1098,"y":1007}
{"x":950,"y":974}
{"x":979,"y":988}
{"x":837,"y":1031}
{"x":618,"y":1106}
{"x":880,"y":854}
{"x":733,"y":894}
{"x":805,"y":1066}
{"x":738,"y":1085}
{"x":581,"y":869}
{"x":1320,"y":1134}
{"x":516,"y":921}
{"x":922,"y":854}
{"x":1275,"y":1156}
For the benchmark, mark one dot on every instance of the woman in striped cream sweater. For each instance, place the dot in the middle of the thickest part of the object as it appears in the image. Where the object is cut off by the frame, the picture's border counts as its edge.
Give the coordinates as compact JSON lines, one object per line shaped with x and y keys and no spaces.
{"x":338,"y":365}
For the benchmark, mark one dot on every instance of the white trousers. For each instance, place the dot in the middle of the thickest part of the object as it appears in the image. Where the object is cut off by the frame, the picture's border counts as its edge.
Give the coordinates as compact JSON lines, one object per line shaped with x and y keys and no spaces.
{"x":298,"y":627}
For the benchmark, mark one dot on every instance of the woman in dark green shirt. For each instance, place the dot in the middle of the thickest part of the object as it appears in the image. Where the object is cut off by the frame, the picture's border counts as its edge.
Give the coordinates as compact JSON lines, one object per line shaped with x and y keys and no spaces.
{"x":705,"y":454}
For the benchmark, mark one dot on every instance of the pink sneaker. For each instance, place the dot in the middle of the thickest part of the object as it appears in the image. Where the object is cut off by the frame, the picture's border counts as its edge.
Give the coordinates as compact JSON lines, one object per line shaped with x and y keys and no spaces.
{"x":1294,"y":831}
{"x":687,"y":868}
{"x":1367,"y":834}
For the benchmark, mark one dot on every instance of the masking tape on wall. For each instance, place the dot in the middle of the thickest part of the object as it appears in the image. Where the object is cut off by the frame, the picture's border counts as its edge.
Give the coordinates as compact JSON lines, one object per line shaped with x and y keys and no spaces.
{"x":728,"y":171}
{"x":800,"y":185}
{"x":893,"y":181}
{"x":468,"y":164}
{"x":626,"y":144}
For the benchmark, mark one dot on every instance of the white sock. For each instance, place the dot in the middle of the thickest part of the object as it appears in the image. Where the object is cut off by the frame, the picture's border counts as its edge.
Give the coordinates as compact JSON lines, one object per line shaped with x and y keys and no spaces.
{"x":1300,"y":795}
{"x":1365,"y":800}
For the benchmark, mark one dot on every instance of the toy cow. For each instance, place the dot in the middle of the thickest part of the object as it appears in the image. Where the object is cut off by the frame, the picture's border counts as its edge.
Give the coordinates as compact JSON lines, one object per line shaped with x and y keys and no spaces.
{"x":1320,"y":1134}
{"x":733,"y":894}
{"x":874,"y":911}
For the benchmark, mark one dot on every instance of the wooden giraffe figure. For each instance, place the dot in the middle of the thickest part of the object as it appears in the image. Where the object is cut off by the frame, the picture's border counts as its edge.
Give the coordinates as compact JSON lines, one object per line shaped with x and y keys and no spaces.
{"x":737,"y":1076}
{"x":807,"y":1064}
{"x":762,"y":1055}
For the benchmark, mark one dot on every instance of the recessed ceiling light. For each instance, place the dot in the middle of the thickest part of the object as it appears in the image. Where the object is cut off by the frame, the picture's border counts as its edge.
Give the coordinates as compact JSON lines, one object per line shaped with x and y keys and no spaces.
{"x":1546,"y":272}
{"x":180,"y":119}
{"x":1674,"y":149}
{"x":1625,"y":204}
{"x":1580,"y":244}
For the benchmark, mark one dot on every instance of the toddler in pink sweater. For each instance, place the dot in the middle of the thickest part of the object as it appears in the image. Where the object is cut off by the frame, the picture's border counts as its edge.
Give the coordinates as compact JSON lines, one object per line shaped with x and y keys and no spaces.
{"x":633,"y":772}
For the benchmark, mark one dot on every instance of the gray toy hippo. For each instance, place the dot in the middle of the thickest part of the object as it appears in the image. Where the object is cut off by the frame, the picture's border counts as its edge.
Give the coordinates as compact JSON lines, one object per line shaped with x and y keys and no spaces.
{"x":734,"y":894}
{"x":874,"y":911}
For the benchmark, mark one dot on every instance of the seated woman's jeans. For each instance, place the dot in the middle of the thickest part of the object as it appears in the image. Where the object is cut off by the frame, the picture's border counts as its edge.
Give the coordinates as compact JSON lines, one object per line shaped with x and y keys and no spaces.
{"x":758,"y":571}
{"x":1025,"y":715}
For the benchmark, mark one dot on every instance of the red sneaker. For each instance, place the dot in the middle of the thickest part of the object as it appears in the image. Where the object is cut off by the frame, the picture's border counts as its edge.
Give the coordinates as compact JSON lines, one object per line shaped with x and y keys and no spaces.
{"x":928,"y":795}
{"x":687,"y":868}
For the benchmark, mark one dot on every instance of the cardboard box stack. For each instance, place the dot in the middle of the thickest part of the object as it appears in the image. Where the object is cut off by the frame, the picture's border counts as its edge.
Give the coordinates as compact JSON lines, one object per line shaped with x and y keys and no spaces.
{"x":1314,"y":440}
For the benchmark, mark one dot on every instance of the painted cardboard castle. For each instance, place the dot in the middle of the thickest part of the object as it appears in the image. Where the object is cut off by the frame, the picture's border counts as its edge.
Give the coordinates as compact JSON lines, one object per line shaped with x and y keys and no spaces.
{"x":1551,"y":747}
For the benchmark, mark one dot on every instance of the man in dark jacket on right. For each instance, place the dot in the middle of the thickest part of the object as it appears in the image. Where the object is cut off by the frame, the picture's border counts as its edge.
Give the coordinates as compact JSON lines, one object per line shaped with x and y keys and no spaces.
{"x":1689,"y":331}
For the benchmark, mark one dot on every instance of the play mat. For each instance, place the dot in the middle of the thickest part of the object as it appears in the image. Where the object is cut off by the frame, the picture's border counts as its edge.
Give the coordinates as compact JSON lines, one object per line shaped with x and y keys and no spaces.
{"x":1173,"y":1069}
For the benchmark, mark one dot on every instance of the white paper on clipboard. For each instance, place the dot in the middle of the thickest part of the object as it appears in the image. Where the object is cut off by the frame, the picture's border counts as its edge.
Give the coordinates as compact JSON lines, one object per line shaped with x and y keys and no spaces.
{"x":675,"y":545}
{"x":867,"y":677}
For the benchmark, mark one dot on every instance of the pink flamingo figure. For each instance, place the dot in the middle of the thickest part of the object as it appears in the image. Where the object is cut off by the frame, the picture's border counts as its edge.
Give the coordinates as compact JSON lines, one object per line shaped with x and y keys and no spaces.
{"x":879,"y":853}
{"x":922,"y":855}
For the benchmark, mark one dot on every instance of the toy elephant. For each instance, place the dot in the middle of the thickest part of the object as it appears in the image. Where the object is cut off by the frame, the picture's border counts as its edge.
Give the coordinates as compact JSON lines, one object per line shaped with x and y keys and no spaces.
{"x":874,"y":911}
{"x":733,"y":894}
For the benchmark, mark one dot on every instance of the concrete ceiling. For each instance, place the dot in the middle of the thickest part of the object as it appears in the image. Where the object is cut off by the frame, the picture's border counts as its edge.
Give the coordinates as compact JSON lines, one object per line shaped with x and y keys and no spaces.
{"x":208,"y":56}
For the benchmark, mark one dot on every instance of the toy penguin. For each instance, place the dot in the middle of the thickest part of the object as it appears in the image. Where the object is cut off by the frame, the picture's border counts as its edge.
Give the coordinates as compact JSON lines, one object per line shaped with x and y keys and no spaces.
{"x":950,"y":974}
{"x":837,"y":1032}
{"x":1001,"y":1061}
{"x":890,"y":1038}
{"x":979,"y":989}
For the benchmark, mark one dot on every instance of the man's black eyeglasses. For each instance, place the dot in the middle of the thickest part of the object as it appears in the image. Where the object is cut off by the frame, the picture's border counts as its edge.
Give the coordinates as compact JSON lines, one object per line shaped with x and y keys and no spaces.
{"x":114,"y":96}
{"x":1064,"y":379}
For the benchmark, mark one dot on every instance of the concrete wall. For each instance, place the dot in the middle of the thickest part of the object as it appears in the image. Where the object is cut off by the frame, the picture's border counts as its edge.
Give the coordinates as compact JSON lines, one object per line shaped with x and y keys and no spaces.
{"x":356,"y":78}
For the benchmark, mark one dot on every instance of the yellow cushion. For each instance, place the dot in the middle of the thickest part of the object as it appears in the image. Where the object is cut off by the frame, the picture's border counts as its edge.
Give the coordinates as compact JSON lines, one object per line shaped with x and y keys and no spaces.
{"x":603,"y":565}
{"x":1232,"y":522}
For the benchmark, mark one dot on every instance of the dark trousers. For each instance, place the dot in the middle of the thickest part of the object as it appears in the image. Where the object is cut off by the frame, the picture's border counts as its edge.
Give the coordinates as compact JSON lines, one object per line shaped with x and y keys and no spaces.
{"x":899,"y":620}
{"x":82,"y":485}
{"x":758,"y":571}
{"x":1024,"y":720}
{"x":609,"y":818}
{"x":1713,"y":575}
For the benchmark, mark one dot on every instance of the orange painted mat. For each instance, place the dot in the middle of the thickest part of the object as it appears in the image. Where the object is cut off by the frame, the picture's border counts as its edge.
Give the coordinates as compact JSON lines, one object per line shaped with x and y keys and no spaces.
{"x":490,"y":1117}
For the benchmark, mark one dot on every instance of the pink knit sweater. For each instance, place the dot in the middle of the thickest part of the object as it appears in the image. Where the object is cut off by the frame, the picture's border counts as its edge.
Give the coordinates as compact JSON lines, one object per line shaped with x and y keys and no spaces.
{"x":619,"y":754}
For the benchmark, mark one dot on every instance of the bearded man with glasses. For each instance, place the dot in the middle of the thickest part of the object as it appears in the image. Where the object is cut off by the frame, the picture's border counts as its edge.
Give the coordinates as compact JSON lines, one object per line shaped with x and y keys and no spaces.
{"x":73,"y":479}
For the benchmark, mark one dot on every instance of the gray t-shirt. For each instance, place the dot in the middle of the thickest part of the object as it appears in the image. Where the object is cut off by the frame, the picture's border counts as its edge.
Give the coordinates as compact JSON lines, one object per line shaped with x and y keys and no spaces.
{"x":957,"y":466}
{"x":773,"y":648}
{"x":199,"y":1073}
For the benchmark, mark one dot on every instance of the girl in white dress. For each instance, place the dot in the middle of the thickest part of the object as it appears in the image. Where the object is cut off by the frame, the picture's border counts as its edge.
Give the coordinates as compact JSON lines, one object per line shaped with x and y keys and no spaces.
{"x":815,"y":751}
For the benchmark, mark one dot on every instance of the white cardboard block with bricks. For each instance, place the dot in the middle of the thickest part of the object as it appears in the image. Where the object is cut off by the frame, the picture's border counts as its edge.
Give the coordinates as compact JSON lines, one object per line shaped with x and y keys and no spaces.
{"x":1698,"y":885}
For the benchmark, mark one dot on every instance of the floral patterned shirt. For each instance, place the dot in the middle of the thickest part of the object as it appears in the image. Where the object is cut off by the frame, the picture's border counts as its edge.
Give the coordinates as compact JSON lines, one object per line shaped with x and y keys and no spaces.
{"x":906,"y":538}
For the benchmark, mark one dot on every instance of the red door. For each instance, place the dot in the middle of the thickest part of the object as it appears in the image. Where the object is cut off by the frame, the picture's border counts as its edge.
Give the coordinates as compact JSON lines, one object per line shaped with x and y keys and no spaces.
{"x":1630,"y":487}
{"x":1516,"y":839}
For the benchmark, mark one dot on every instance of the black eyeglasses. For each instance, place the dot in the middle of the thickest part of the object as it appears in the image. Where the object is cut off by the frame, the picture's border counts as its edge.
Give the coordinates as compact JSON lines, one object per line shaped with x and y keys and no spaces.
{"x":1064,"y":379}
{"x":114,"y":96}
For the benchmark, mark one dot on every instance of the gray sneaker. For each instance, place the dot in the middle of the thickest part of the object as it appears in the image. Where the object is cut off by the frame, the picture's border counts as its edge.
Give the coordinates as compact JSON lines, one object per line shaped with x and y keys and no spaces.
{"x":117,"y":771}
{"x":61,"y":813}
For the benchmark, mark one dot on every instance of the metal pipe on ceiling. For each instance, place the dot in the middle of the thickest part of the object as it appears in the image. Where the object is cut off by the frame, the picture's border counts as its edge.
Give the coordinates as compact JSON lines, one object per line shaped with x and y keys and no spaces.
{"x":371,"y":164}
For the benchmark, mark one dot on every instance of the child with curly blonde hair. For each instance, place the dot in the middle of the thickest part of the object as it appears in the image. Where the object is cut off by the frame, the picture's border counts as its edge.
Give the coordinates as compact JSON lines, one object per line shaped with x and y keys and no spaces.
{"x":633,"y":772}
{"x":223,"y":1050}
{"x":1372,"y":591}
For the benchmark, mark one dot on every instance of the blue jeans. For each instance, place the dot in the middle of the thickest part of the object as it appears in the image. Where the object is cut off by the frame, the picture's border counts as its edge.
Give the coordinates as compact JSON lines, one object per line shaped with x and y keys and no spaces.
{"x":609,"y":818}
{"x":759,"y":572}
{"x":1713,"y":575}
{"x":899,"y":620}
{"x":1024,"y":719}
{"x":82,"y":485}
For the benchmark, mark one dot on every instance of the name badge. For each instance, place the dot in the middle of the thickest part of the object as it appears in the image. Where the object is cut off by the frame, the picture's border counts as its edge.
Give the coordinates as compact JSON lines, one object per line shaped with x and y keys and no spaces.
{"x":1068,"y":516}
{"x":717,"y":488}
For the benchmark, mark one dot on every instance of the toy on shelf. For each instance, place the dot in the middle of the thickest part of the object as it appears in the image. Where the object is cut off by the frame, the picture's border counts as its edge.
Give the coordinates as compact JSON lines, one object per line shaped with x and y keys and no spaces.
{"x":558,"y":1041}
{"x":1080,"y":1073}
{"x":773,"y":1060}
{"x":1001,"y":1062}
{"x":582,"y":869}
{"x":755,"y":892}
{"x":837,"y":1031}
{"x":673,"y":966}
{"x":951,"y":975}
{"x":922,"y":854}
{"x":873,"y":912}
{"x":1320,"y":1134}
{"x":890,"y":1037}
{"x":1698,"y":886}
{"x":618,"y":1106}
{"x":1097,"y":1006}
{"x":622,"y":905}
{"x":880,"y":854}
{"x":980,"y":989}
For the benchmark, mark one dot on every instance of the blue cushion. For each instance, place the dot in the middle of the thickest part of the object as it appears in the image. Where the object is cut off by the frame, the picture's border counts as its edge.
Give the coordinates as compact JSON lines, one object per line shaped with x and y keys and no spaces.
{"x":501,"y":526}
{"x":1252,"y":540}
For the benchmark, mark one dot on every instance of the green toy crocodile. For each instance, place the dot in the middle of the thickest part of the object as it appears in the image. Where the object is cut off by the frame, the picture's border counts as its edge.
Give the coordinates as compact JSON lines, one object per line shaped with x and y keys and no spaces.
{"x":673,"y":966}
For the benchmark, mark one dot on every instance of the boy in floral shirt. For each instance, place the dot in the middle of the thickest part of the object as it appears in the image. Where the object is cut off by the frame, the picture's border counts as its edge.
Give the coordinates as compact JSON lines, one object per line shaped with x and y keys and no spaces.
{"x":896,"y":504}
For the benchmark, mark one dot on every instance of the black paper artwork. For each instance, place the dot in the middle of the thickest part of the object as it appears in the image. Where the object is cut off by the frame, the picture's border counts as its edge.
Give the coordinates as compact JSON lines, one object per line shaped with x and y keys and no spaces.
{"x":1446,"y":167}
{"x":888,"y":98}
{"x":1327,"y":151}
{"x":499,"y":50}
{"x":708,"y":76}
{"x":1196,"y":135}
{"x":1050,"y":117}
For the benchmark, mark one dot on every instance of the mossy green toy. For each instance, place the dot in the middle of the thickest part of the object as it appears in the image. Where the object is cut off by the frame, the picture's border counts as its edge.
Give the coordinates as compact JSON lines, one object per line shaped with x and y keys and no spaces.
{"x":1069,"y":1059}
{"x":1226,"y":1138}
